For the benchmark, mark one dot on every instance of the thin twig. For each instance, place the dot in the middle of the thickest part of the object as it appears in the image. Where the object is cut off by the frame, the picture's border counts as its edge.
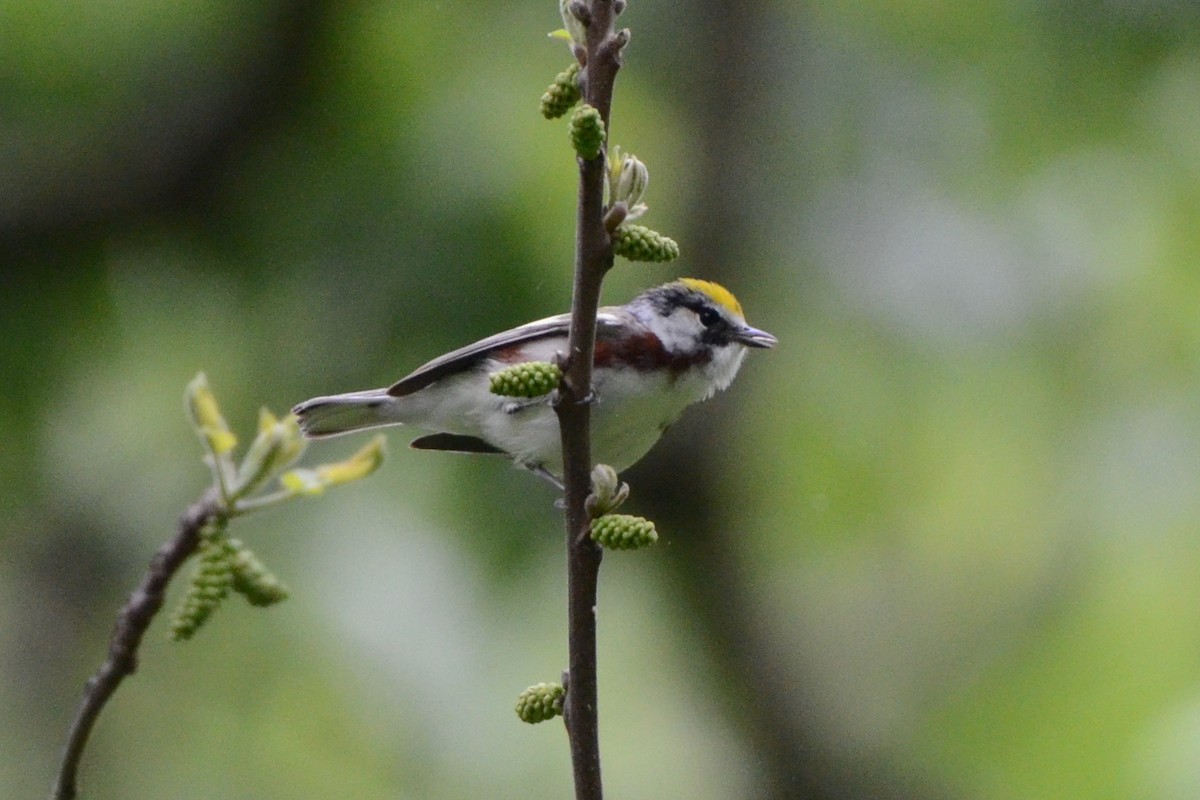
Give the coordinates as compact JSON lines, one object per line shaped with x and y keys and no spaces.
{"x":593,"y":259}
{"x":132,"y":622}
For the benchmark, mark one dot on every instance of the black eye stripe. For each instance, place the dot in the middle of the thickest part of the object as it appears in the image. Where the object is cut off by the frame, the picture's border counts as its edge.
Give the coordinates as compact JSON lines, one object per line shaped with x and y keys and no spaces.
{"x":667,"y":302}
{"x":710,"y":317}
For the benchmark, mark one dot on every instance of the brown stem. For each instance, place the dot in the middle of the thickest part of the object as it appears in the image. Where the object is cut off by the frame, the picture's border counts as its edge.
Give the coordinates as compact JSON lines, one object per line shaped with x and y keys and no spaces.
{"x":593,"y":259}
{"x":132,"y":622}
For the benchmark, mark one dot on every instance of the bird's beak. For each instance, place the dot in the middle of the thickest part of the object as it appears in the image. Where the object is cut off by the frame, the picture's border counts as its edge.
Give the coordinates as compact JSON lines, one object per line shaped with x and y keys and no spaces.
{"x":753,"y":337}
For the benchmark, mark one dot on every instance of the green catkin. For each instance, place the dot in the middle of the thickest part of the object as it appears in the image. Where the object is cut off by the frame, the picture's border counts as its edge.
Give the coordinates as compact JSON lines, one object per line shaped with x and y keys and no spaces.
{"x":563,"y":94}
{"x":639,"y":243}
{"x":623,"y":532}
{"x":540,"y":702}
{"x":587,"y":132}
{"x":253,"y":580}
{"x":209,"y":586}
{"x":530,"y":379}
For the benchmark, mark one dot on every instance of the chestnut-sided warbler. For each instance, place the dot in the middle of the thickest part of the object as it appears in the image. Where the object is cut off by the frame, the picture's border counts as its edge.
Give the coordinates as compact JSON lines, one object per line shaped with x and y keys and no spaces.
{"x":669,"y":347}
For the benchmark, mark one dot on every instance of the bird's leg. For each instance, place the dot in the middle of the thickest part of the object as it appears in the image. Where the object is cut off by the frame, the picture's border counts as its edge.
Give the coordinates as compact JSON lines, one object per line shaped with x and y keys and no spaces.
{"x":540,"y":471}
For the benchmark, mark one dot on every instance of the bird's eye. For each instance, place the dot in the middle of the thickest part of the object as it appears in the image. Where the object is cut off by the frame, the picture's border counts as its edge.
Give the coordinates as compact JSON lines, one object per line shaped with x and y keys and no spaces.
{"x":709,"y":317}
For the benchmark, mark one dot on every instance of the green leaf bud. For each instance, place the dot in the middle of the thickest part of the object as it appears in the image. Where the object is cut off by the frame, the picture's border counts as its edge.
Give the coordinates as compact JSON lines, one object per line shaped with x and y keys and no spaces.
{"x":623,"y":532}
{"x":561,"y":95}
{"x":207,"y":418}
{"x":356,"y":467}
{"x":571,"y":22}
{"x":587,"y":132}
{"x":529,"y":379}
{"x":302,"y":481}
{"x":277,"y":446}
{"x":608,"y":491}
{"x":628,"y":178}
{"x":540,"y":702}
{"x":639,"y":243}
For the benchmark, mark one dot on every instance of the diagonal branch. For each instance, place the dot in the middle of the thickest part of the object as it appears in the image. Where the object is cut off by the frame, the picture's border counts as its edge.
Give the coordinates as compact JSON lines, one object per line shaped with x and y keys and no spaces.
{"x":132,"y":622}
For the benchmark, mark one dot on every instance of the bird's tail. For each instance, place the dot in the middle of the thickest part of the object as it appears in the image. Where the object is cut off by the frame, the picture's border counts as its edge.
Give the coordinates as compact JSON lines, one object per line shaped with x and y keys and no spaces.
{"x":345,"y":413}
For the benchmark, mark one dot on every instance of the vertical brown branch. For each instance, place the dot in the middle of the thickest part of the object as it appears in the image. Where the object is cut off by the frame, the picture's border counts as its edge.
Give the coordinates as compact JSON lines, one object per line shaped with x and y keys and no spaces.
{"x":132,"y":621}
{"x":593,"y":259}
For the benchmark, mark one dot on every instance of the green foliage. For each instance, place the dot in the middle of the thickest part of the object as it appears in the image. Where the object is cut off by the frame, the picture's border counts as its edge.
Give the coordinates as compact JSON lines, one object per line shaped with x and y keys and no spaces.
{"x":628,"y":179}
{"x":278,"y":445}
{"x":227,"y":563}
{"x":305,"y":481}
{"x":608,"y":491}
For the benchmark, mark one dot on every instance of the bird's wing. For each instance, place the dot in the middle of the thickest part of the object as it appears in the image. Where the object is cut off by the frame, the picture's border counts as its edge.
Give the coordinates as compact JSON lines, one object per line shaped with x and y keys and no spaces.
{"x":466,"y":357}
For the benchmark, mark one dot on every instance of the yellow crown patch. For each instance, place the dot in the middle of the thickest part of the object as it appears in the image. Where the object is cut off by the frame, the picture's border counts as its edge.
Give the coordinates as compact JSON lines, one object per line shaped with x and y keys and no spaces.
{"x":717,"y":292}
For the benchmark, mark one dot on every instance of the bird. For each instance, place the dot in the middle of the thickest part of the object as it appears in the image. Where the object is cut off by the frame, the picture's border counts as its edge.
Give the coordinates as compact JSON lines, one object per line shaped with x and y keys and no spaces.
{"x":669,"y":347}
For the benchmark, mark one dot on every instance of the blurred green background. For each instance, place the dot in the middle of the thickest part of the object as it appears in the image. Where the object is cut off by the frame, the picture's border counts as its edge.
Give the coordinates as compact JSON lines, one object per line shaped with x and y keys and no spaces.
{"x":941,"y":543}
